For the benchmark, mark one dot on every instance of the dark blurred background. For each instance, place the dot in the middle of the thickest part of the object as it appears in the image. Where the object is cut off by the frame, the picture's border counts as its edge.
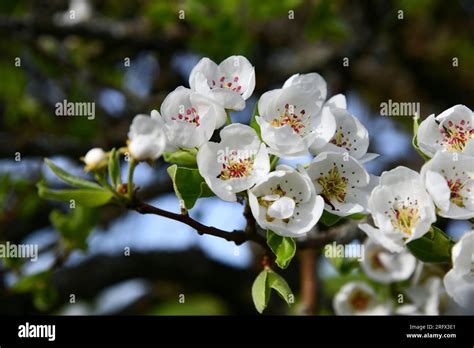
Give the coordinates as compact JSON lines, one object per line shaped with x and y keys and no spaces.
{"x":126,"y":56}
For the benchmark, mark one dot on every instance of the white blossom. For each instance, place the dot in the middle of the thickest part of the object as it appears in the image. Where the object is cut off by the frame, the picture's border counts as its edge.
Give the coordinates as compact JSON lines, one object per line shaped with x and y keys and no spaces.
{"x":95,"y":158}
{"x":449,"y":179}
{"x":342,"y":181}
{"x":459,"y":281}
{"x":235,"y":164}
{"x":359,"y":298}
{"x":285,"y":202}
{"x":350,"y":136}
{"x":401,"y":209}
{"x":386,"y":267}
{"x":451,"y":131}
{"x":188,"y":118}
{"x":290,"y":118}
{"x":230,"y":83}
{"x":147,"y":140}
{"x":425,"y":298}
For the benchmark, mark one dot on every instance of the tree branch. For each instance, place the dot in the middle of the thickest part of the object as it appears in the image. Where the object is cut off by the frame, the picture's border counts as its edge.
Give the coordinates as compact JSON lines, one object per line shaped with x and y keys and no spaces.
{"x":236,"y":236}
{"x":308,"y":277}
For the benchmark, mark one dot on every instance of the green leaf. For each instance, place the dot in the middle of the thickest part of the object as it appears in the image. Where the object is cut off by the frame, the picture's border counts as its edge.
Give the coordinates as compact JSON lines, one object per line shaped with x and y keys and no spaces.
{"x":75,"y":226}
{"x":277,"y":283}
{"x":188,"y":185}
{"x":434,"y":246}
{"x":328,"y":219}
{"x":260,"y":291}
{"x":39,"y":284}
{"x":356,"y":216}
{"x":284,"y":248}
{"x":71,"y":179}
{"x":87,"y":198}
{"x":263,"y":285}
{"x":414,"y":141}
{"x":114,"y":169}
{"x":31,"y":282}
{"x":183,"y":157}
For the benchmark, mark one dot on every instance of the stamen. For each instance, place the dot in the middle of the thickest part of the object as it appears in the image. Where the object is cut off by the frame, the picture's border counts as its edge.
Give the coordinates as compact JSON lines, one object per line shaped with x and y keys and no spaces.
{"x":456,"y":136}
{"x":334,"y":185}
{"x":236,"y":168}
{"x":405,"y":218}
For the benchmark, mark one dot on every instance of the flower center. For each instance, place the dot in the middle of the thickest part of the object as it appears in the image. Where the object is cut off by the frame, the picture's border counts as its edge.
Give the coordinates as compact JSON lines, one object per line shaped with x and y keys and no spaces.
{"x":289,"y":117}
{"x":456,"y":186}
{"x":405,"y":218}
{"x":376,"y":262}
{"x":190,"y":115}
{"x":457,"y":135}
{"x":359,"y":300}
{"x":264,"y":202}
{"x":236,"y":168}
{"x":334,"y":185}
{"x":229,"y":83}
{"x":341,"y":140}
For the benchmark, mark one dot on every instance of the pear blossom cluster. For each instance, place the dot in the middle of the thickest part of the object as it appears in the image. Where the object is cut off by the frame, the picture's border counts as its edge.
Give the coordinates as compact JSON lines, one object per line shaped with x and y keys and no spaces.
{"x":405,"y":204}
{"x":239,"y":161}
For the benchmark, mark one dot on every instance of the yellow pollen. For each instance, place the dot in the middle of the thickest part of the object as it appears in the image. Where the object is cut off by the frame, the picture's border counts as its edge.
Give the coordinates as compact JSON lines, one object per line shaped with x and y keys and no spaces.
{"x":334,"y":185}
{"x":236,"y":168}
{"x":405,"y":219}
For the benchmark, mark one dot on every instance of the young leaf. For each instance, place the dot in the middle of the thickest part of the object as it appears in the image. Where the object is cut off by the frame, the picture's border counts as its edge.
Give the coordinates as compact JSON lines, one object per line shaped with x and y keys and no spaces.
{"x":260,"y":291}
{"x":114,"y":169}
{"x":328,"y":219}
{"x":74,"y":226}
{"x":434,"y":246}
{"x":284,"y":248}
{"x":71,"y":179}
{"x":277,"y":283}
{"x":183,"y":157}
{"x":86,"y":197}
{"x":188,"y":185}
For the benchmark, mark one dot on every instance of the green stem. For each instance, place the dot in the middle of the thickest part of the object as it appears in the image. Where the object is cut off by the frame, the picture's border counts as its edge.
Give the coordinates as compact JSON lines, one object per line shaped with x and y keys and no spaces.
{"x":229,"y":119}
{"x":273,"y":161}
{"x":131,"y":168}
{"x":100,"y":177}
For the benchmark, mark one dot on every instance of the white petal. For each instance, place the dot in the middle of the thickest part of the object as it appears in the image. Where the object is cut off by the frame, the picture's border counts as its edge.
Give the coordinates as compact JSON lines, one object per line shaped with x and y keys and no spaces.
{"x":462,"y":253}
{"x":94,"y":156}
{"x":429,"y":137}
{"x":227,"y":98}
{"x":143,"y":147}
{"x":204,"y":71}
{"x":240,"y":67}
{"x":282,"y":141}
{"x":267,"y":104}
{"x":282,"y":208}
{"x":381,"y":238}
{"x":455,"y":113}
{"x":368,"y":157}
{"x":460,"y":288}
{"x":338,"y":101}
{"x":314,"y":81}
{"x":325,"y":127}
{"x":438,"y":188}
{"x":271,"y":198}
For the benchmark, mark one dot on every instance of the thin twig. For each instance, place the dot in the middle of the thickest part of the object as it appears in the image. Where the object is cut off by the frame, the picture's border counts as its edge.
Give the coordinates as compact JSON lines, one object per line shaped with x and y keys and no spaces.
{"x":237,"y":236}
